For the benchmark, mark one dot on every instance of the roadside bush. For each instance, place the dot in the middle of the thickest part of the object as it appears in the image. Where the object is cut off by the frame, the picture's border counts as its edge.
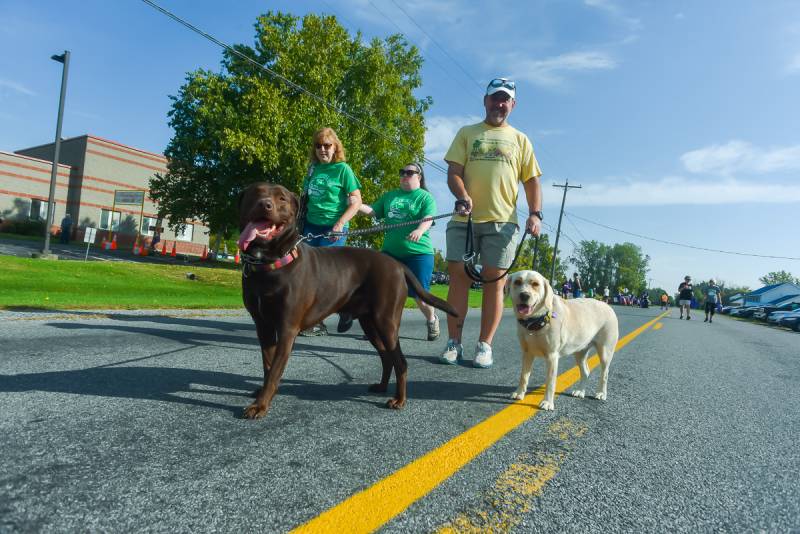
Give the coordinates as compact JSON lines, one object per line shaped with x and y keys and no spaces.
{"x":24,"y":227}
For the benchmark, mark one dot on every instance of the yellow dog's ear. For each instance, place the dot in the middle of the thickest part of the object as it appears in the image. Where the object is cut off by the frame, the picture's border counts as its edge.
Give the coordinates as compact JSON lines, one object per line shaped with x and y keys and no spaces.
{"x":548,"y":294}
{"x":507,"y":284}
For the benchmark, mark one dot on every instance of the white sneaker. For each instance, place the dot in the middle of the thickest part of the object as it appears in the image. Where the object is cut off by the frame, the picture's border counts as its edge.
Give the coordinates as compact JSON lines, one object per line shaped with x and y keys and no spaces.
{"x":483,"y":355}
{"x":433,"y":328}
{"x":453,"y":352}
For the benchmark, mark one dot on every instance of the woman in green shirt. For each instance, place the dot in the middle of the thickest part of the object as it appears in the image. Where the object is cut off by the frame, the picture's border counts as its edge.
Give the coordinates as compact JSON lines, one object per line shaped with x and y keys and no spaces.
{"x":333,"y":196}
{"x":410,"y":202}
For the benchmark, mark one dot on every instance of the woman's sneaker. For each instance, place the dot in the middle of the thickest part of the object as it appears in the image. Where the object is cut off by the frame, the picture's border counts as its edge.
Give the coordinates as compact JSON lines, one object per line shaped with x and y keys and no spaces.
{"x":316,"y":330}
{"x":433,"y":328}
{"x":483,"y":355}
{"x":453,"y":353}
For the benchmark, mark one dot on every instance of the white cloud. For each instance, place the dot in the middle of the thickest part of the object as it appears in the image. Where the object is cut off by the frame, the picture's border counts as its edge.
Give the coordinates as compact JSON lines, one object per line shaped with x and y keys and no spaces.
{"x":16,"y":87}
{"x":680,"y":16}
{"x":550,"y":72}
{"x":794,"y":65}
{"x":741,"y":157}
{"x":674,"y":190}
{"x":440,"y":133}
{"x":617,"y":12}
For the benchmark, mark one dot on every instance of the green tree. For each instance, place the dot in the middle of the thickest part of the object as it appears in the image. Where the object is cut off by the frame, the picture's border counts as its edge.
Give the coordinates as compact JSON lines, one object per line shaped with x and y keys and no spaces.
{"x":243,"y":125}
{"x":778,"y":277}
{"x":439,"y":261}
{"x":618,"y":266}
{"x":544,"y":258}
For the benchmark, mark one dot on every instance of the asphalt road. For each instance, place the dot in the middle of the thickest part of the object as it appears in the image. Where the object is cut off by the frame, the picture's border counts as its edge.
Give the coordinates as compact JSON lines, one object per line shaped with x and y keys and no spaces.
{"x":131,"y":422}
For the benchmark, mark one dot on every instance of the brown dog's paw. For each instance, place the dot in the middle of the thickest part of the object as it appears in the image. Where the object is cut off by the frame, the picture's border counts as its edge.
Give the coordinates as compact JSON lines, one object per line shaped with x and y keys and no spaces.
{"x":254,"y":411}
{"x":378,"y":388}
{"x":396,"y":404}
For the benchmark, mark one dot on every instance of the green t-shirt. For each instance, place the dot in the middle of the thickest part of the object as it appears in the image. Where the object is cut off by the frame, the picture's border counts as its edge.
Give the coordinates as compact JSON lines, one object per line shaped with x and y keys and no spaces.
{"x":400,"y":206}
{"x":329,"y":187}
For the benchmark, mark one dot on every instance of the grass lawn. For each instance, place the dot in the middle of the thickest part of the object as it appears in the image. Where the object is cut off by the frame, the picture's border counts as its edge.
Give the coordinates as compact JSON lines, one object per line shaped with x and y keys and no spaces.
{"x":44,"y":284}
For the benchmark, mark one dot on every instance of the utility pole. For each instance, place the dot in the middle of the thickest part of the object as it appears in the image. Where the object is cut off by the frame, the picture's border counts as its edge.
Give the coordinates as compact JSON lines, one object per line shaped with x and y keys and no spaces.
{"x":51,"y":201}
{"x":566,"y":187}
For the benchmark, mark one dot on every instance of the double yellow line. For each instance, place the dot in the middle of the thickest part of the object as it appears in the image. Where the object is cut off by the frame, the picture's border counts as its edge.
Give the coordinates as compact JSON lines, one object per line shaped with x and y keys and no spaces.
{"x":373,"y":507}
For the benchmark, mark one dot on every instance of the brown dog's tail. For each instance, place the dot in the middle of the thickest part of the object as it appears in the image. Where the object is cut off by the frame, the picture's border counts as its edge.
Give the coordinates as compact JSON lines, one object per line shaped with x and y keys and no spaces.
{"x":427,"y":297}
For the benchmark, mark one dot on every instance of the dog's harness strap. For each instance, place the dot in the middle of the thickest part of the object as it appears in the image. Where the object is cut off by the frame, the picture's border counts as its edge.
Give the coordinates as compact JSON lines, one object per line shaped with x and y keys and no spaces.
{"x":536,"y":323}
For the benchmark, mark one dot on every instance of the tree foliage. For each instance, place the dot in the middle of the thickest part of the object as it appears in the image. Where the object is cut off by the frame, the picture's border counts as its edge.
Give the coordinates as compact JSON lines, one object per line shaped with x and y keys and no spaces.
{"x":544,"y":258}
{"x":778,"y":277}
{"x":244,"y":125}
{"x":618,"y":266}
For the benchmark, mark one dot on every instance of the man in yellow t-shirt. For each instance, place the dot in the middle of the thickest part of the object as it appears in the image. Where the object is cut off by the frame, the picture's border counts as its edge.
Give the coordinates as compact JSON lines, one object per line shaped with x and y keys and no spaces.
{"x":486,"y":163}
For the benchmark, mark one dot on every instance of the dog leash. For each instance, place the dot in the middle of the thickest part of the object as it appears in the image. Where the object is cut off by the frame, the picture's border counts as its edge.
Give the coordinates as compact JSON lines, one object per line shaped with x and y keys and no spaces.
{"x":469,"y":255}
{"x":379,"y":227}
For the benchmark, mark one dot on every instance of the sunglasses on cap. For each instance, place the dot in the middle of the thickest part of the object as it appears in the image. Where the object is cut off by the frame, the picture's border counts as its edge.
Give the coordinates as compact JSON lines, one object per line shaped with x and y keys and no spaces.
{"x":503,"y":82}
{"x":324,"y":145}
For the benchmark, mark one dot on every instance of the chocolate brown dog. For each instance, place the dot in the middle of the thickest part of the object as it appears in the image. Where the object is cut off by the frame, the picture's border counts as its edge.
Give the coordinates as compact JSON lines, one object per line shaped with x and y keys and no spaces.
{"x":289,"y":287}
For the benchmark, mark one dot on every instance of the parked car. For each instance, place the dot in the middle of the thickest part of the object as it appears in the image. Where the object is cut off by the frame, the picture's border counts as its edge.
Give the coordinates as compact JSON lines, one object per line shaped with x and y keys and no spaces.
{"x":788,"y":307}
{"x":744,"y":311}
{"x":728,"y":309}
{"x":776,"y":316}
{"x":790,"y":320}
{"x":439,"y":277}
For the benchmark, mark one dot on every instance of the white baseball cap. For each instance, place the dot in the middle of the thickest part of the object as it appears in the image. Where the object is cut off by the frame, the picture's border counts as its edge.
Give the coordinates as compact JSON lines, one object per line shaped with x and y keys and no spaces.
{"x":502,"y":84}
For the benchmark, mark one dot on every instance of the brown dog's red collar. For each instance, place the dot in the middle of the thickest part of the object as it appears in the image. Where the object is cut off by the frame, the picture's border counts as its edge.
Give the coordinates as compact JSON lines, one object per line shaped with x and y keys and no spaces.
{"x":277,"y":264}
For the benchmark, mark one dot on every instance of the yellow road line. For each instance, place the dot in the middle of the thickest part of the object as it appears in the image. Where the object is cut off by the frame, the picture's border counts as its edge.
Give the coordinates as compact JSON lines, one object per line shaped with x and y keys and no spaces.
{"x":371,"y":508}
{"x":658,"y":326}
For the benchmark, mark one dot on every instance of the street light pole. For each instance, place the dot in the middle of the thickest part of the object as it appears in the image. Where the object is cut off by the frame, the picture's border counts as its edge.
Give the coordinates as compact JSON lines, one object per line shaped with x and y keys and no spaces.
{"x":51,"y":201}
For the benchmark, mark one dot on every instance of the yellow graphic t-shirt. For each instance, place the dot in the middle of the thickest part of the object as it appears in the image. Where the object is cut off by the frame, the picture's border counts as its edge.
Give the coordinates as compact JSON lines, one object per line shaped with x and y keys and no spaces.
{"x":495,"y":160}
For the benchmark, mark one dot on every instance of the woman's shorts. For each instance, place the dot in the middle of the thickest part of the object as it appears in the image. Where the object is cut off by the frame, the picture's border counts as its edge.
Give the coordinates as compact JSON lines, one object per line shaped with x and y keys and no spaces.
{"x":422,"y":267}
{"x":494,"y":243}
{"x":315,"y":229}
{"x":684,"y":302}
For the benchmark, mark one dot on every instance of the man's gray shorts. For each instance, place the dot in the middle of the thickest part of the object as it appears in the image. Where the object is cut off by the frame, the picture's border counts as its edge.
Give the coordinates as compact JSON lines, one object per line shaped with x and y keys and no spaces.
{"x":495,"y":243}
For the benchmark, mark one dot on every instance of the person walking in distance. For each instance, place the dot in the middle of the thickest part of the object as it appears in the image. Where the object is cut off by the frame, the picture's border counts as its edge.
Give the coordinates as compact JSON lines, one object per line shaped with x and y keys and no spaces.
{"x":410,"y":246}
{"x":685,"y":294}
{"x":664,"y":301}
{"x":713,"y":296}
{"x":486,"y":162}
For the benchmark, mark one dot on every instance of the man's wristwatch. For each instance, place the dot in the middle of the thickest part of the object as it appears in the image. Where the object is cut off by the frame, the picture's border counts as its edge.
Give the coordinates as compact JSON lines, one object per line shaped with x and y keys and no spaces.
{"x":538,"y":214}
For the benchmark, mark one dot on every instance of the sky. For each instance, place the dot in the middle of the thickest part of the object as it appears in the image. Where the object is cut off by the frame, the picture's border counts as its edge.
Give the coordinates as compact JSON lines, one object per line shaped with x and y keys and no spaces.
{"x":680,"y":120}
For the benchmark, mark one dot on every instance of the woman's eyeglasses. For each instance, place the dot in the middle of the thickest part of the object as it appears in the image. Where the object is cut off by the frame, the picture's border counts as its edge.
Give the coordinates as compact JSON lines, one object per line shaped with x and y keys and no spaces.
{"x":326,"y":146}
{"x":502,"y":82}
{"x":406,"y":172}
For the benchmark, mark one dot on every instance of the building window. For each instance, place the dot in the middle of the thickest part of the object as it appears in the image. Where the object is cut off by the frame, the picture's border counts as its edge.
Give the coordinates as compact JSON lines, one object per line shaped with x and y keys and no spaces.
{"x":187,"y":233}
{"x":105,"y":215}
{"x":38,"y":210}
{"x":149,"y":225}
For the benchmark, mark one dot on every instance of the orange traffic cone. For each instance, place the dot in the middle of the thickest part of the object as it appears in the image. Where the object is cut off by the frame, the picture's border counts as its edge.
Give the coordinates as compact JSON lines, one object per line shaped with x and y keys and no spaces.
{"x":164,"y":249}
{"x":237,"y":259}
{"x":114,"y":242}
{"x":204,"y":256}
{"x":143,"y":250}
{"x":174,"y":252}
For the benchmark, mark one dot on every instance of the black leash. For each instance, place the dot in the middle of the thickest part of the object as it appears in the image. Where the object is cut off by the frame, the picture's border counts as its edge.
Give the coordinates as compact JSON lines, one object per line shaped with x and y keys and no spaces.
{"x":469,"y":256}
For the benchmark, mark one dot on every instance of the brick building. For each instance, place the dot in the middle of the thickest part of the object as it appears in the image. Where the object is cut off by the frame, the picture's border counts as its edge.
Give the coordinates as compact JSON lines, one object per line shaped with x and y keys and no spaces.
{"x":91,"y":170}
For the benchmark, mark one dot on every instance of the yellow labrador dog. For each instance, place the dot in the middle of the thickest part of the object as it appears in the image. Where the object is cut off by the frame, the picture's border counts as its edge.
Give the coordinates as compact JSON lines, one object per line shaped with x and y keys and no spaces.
{"x":549,"y":327}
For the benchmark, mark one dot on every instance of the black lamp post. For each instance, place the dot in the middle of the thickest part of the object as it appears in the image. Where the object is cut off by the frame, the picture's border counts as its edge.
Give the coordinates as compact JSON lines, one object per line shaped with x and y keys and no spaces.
{"x":51,"y":206}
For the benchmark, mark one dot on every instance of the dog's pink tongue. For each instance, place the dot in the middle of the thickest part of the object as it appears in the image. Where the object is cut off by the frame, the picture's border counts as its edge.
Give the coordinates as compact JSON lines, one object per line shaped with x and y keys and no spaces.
{"x":251,"y":231}
{"x":523,"y":309}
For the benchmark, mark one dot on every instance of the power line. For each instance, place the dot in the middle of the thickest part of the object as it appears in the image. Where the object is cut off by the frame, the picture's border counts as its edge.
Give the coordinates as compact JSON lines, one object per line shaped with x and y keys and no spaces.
{"x":286,"y":81}
{"x":576,"y":227}
{"x":684,"y":244}
{"x":384,"y":15}
{"x":438,"y":46}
